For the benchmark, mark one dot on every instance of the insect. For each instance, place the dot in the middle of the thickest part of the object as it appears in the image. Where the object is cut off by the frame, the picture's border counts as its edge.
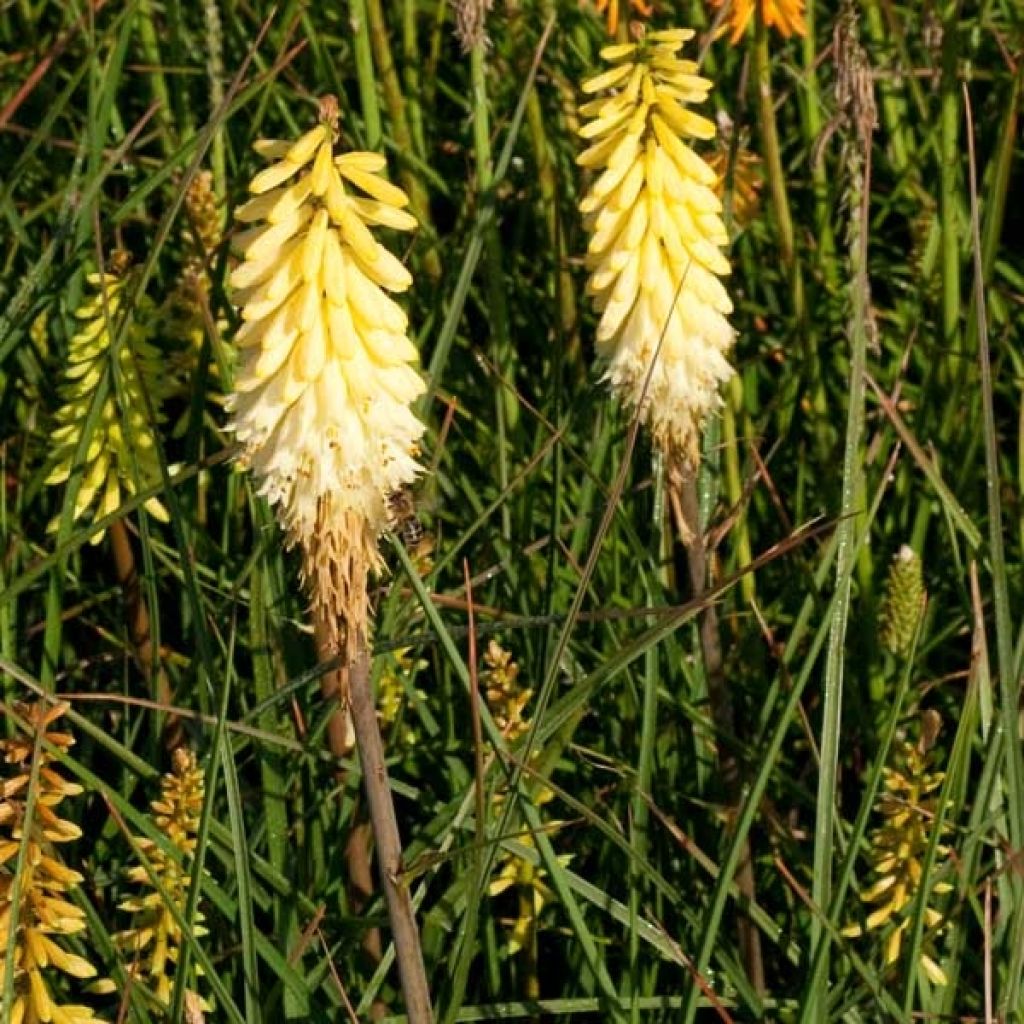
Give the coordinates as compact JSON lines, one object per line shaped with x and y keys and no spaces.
{"x":406,"y":524}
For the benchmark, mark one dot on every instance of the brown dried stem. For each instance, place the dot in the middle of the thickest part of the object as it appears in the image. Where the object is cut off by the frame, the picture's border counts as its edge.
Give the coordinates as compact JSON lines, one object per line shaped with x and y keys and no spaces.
{"x":389,"y":847}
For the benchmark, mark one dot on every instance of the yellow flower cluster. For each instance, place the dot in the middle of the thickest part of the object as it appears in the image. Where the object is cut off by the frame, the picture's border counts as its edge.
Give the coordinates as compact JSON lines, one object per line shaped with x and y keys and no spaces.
{"x":898,"y":846}
{"x":507,"y":699}
{"x":323,"y":393}
{"x":506,"y":696}
{"x":656,"y":234}
{"x":787,"y":16}
{"x":121,"y":456}
{"x":392,"y":697}
{"x":44,"y":914}
{"x":153,"y":943}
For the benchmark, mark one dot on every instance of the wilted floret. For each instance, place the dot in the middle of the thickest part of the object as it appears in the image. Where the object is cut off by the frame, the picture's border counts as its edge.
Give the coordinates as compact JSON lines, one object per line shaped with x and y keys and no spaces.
{"x":655,"y":239}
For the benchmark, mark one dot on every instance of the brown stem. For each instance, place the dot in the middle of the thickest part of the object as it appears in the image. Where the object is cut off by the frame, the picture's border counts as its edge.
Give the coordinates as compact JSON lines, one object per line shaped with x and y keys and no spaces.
{"x":686,"y":512}
{"x":334,"y":689}
{"x":340,"y":739}
{"x":136,"y":615}
{"x":389,"y":847}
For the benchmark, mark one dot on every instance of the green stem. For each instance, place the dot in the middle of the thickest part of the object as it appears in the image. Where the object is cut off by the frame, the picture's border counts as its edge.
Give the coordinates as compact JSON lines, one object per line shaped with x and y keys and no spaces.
{"x":419,"y":202}
{"x":365,"y":75}
{"x":859,"y":164}
{"x":505,"y":408}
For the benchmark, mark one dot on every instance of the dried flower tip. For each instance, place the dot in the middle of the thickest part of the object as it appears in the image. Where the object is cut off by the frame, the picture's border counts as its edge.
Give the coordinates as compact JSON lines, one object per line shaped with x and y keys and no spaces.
{"x":471,"y":23}
{"x":121,"y":453}
{"x":786,"y":16}
{"x":655,"y":240}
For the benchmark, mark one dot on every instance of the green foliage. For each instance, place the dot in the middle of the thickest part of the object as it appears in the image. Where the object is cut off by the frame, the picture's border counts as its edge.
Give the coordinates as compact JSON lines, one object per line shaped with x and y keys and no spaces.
{"x":549,"y":519}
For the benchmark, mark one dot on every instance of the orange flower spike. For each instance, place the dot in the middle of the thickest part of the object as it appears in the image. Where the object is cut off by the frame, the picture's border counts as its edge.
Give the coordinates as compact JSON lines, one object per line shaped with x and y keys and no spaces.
{"x":786,"y":16}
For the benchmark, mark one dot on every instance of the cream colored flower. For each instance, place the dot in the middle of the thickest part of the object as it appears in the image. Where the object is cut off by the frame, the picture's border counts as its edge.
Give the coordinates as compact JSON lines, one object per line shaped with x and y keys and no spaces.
{"x":326,"y":378}
{"x":121,"y":457}
{"x":656,"y":234}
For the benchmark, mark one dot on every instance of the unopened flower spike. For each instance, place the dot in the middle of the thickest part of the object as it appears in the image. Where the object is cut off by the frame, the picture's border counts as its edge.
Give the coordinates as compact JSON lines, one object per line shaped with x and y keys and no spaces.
{"x":656,"y":237}
{"x":327,"y":370}
{"x":903,"y":601}
{"x":121,"y":456}
{"x":785,"y":16}
{"x":151,"y":947}
{"x":908,"y":807}
{"x":45,"y":915}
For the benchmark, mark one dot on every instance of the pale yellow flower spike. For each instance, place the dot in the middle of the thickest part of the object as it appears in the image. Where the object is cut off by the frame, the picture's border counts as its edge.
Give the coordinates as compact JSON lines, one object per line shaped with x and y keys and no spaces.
{"x":656,"y":235}
{"x":44,"y":912}
{"x":326,"y":377}
{"x":787,"y":16}
{"x":121,"y":456}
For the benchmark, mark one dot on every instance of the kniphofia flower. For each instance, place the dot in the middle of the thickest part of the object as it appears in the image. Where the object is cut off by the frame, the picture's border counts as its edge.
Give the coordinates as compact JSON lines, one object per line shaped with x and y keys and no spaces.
{"x":44,"y":912}
{"x":908,"y":807}
{"x":322,"y":395}
{"x":153,"y":943}
{"x":121,"y":454}
{"x":656,"y":234}
{"x":787,"y":16}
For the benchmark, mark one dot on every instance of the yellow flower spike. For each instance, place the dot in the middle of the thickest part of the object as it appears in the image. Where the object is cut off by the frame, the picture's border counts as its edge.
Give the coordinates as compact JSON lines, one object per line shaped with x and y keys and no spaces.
{"x":786,"y":16}
{"x":44,"y":919}
{"x":150,"y":946}
{"x":656,"y":234}
{"x":898,"y":848}
{"x":118,"y":461}
{"x":326,"y":375}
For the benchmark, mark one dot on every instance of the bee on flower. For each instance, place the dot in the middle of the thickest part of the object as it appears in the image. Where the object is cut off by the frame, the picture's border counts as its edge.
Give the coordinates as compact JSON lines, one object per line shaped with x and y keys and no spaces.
{"x":656,"y":237}
{"x":327,"y":371}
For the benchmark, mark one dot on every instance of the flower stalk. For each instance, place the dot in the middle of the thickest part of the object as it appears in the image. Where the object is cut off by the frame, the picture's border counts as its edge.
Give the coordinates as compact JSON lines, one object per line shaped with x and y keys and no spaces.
{"x":322,"y":408}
